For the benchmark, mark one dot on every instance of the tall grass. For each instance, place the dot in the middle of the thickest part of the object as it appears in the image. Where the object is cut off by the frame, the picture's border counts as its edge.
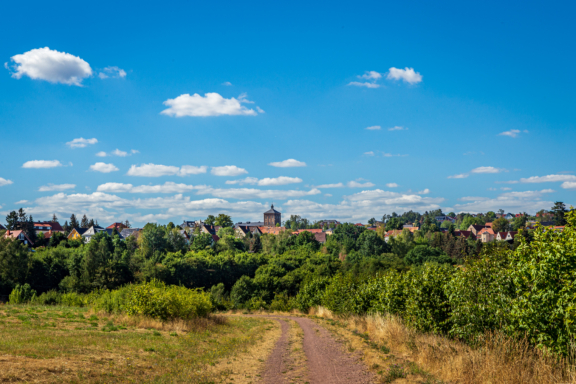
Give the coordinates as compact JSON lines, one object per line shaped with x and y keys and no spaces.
{"x":496,"y":358}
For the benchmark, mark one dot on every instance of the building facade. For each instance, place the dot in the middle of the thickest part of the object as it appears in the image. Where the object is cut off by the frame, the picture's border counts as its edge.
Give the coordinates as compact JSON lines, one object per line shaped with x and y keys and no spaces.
{"x":272,"y":217}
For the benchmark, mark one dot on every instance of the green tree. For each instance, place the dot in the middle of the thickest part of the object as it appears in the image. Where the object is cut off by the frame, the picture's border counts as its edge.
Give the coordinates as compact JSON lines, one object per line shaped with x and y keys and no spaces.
{"x":74,"y":222}
{"x":393,"y":223}
{"x":500,"y":225}
{"x":224,"y":220}
{"x":421,"y":254}
{"x":152,"y":239}
{"x":12,"y":220}
{"x":519,"y":222}
{"x":372,"y":221}
{"x":210,"y":220}
{"x":490,"y":216}
{"x":226,"y":231}
{"x":559,"y":210}
{"x":201,"y":242}
{"x":30,"y":230}
{"x":369,"y":244}
{"x":85,"y":223}
{"x":54,"y":218}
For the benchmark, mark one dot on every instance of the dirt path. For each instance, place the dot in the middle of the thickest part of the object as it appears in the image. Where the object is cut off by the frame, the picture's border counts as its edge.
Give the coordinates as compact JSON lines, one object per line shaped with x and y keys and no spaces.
{"x":326,"y":360}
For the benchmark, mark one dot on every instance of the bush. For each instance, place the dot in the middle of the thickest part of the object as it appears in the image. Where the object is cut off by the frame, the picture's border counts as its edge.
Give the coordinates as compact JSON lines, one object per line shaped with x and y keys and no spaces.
{"x":427,"y":305}
{"x":157,"y":300}
{"x":21,"y":294}
{"x":392,"y":288}
{"x":47,"y":298}
{"x":311,"y":294}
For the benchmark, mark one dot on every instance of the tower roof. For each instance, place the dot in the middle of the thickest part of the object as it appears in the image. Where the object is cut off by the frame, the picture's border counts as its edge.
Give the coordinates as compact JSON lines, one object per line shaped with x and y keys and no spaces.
{"x":272,"y":210}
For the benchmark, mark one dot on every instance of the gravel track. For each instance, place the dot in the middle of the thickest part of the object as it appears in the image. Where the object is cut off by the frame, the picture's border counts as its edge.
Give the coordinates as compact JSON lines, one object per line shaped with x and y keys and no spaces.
{"x":328,"y":362}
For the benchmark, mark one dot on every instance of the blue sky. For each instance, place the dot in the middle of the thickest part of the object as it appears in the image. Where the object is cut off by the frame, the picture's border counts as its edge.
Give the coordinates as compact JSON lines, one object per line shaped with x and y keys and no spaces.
{"x":475,"y":104}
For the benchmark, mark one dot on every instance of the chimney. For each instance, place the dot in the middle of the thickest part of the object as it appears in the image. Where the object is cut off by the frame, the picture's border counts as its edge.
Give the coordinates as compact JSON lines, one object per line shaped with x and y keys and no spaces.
{"x":8,"y":233}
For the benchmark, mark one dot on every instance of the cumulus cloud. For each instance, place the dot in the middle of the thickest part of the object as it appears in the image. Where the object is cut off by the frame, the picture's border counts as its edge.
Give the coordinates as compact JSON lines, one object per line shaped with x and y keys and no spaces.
{"x":398,"y":128}
{"x":101,"y":154}
{"x":424,"y":192}
{"x":355,"y":184}
{"x":371,"y":76}
{"x":282,"y":180}
{"x":288,"y":163}
{"x":374,"y":128}
{"x":118,"y":153}
{"x":112,"y":72}
{"x":252,"y":193}
{"x":167,"y":187}
{"x":392,"y":185}
{"x":42,"y":164}
{"x":4,"y":182}
{"x":526,"y":201}
{"x":512,"y":133}
{"x":364,"y":84}
{"x":228,"y":170}
{"x":50,"y":65}
{"x":103,"y":167}
{"x":81,"y":142}
{"x":459,"y":176}
{"x":565,"y":185}
{"x":407,"y":75}
{"x":157,"y":170}
{"x":56,"y":187}
{"x":487,"y":170}
{"x":227,"y":83}
{"x":548,"y":179}
{"x":370,"y":153}
{"x":211,"y":104}
{"x":246,"y":180}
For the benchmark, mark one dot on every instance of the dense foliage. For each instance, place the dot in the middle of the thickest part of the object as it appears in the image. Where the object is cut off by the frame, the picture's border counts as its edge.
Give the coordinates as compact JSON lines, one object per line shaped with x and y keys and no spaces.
{"x":438,"y":283}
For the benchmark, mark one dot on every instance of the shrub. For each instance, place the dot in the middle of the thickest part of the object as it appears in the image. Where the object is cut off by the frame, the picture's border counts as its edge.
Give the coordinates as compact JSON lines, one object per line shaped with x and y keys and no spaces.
{"x":427,"y":306}
{"x":311,"y":294}
{"x":157,"y":300}
{"x":47,"y":298}
{"x":242,"y":291}
{"x":392,"y":293}
{"x":21,"y":294}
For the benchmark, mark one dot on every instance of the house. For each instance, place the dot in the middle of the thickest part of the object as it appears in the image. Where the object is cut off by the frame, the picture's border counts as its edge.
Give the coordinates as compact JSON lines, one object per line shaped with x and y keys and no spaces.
{"x":127,"y":232}
{"x":392,"y":233}
{"x":328,"y":223}
{"x":444,"y":218}
{"x":506,"y":236}
{"x":329,"y":231}
{"x":320,"y":237}
{"x":271,"y":230}
{"x":465,"y":234}
{"x":299,"y":231}
{"x":486,"y":235}
{"x":243,"y":230}
{"x":475,"y":228}
{"x":46,"y":226}
{"x":185,"y":235}
{"x":519,"y":215}
{"x":509,"y":216}
{"x":76,"y":233}
{"x":87,"y":235}
{"x":209,"y":229}
{"x":2,"y":228}
{"x":18,"y":235}
{"x":119,"y":226}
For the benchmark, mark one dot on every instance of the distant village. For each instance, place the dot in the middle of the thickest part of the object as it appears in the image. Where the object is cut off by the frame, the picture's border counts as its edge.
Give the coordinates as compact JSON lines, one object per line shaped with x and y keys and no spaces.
{"x":479,"y":229}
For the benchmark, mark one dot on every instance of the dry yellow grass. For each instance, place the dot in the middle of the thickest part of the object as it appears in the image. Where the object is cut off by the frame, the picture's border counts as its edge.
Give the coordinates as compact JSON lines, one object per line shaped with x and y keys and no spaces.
{"x":499,"y":360}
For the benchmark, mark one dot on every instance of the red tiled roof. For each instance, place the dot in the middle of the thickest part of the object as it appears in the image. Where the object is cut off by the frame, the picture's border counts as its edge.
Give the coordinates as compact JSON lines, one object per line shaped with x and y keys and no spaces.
{"x":298,"y":231}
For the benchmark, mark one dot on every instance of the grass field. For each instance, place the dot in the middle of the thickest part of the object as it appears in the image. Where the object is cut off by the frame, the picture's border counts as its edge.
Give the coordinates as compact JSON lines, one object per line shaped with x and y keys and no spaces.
{"x":50,"y":344}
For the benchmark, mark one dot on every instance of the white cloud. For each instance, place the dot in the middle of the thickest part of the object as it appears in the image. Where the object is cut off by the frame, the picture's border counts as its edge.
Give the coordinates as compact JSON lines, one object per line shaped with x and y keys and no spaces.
{"x":228,"y":170}
{"x":527,"y":201}
{"x":227,"y":83}
{"x":157,"y":170}
{"x":424,"y":192}
{"x":510,"y":133}
{"x":565,"y":185}
{"x":392,"y":155}
{"x":459,"y":176}
{"x":327,"y":195}
{"x":371,"y":75}
{"x":260,"y":110}
{"x":355,"y":184}
{"x":119,"y":153}
{"x":167,"y":187}
{"x":288,"y":163}
{"x":548,"y":179}
{"x":101,"y":154}
{"x":42,"y":164}
{"x":282,"y":180}
{"x":365,"y":84}
{"x":252,"y":193}
{"x":103,"y":167}
{"x":506,"y":189}
{"x":243,"y":98}
{"x":186,"y":170}
{"x":487,"y":170}
{"x":338,"y":185}
{"x":473,"y":198}
{"x":407,"y":74}
{"x":211,"y":104}
{"x":398,"y":128}
{"x":374,"y":128}
{"x":4,"y":182}
{"x":370,"y":153}
{"x":247,"y":180}
{"x":52,"y":66}
{"x":392,"y":185}
{"x":56,"y":187}
{"x":134,"y":151}
{"x":112,"y":72}
{"x":81,"y":142}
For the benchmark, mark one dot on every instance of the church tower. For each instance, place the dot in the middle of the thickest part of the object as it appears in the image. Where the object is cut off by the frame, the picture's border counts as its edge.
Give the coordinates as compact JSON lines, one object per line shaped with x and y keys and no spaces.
{"x":272,"y":217}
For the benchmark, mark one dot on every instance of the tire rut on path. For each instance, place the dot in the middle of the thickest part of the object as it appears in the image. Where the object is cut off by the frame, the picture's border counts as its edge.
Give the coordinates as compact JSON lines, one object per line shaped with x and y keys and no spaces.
{"x":328,"y":363}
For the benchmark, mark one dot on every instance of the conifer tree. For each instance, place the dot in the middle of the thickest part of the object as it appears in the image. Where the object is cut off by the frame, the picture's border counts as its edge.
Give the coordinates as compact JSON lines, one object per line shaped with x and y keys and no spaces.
{"x":74,"y":222}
